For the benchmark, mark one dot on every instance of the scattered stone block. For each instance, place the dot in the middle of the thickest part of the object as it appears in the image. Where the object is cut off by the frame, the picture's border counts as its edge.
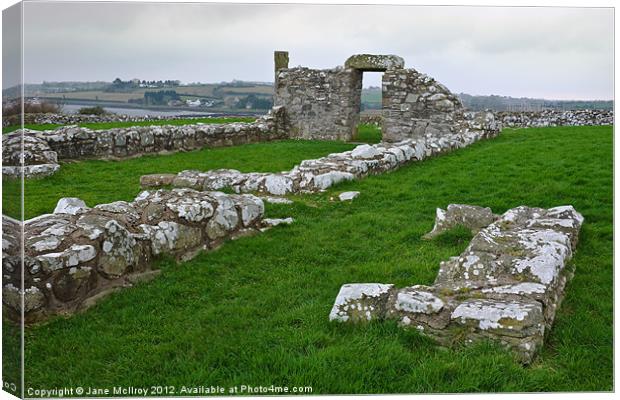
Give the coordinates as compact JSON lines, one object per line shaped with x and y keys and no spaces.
{"x":472,"y":217}
{"x":70,"y":205}
{"x":360,"y":302}
{"x":348,"y":196}
{"x":276,"y":200}
{"x":271,"y":222}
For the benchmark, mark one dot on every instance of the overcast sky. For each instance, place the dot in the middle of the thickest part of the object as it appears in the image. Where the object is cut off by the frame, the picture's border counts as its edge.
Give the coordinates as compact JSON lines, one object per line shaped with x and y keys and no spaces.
{"x":560,"y":53}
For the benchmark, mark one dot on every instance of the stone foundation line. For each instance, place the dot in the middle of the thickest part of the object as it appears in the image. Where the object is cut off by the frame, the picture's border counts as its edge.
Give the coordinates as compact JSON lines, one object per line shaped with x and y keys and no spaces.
{"x":319,"y":174}
{"x":506,"y":286}
{"x":77,"y":255}
{"x":43,"y":149}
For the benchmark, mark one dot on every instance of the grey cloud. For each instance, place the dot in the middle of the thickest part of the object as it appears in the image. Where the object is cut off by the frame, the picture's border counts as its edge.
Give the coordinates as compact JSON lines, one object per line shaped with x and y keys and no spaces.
{"x":547,"y":52}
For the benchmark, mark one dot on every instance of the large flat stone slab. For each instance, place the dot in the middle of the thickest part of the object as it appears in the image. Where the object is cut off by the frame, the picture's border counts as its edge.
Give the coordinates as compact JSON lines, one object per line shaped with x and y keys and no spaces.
{"x":374,"y":62}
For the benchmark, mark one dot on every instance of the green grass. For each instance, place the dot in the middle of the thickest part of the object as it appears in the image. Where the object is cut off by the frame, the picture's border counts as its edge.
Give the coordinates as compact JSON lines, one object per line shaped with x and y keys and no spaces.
{"x":125,"y":124}
{"x":368,"y":134}
{"x":255,"y":312}
{"x":98,"y":181}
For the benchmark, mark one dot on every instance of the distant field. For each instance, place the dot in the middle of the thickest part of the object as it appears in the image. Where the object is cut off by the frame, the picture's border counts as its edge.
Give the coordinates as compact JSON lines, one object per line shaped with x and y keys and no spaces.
{"x":199,"y":90}
{"x":266,"y":90}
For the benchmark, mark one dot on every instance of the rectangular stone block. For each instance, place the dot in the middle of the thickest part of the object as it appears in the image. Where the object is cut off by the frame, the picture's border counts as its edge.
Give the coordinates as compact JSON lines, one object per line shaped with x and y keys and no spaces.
{"x":361,"y":302}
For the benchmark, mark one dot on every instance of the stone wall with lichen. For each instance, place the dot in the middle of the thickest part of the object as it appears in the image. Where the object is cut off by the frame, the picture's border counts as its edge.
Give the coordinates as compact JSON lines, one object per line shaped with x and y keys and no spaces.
{"x":415,"y":104}
{"x":43,"y":149}
{"x":320,"y":104}
{"x":319,"y":174}
{"x":527,"y":119}
{"x":78,"y":254}
{"x":506,"y":285}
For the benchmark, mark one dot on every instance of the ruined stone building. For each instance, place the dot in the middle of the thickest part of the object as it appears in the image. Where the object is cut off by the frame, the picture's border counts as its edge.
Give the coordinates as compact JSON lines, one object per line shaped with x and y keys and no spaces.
{"x":325,"y":104}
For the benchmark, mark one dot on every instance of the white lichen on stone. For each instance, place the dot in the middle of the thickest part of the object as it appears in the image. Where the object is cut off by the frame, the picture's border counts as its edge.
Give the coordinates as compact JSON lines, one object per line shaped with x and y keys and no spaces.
{"x":278,"y":184}
{"x":550,"y":250}
{"x":350,"y":294}
{"x":70,"y":205}
{"x":415,"y":301}
{"x":519,"y":288}
{"x":488,"y":313}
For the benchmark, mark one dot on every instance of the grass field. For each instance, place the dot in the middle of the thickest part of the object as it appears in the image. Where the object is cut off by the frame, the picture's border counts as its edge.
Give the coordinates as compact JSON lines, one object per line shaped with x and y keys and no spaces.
{"x":125,"y":124}
{"x":255,"y":312}
{"x":98,"y":181}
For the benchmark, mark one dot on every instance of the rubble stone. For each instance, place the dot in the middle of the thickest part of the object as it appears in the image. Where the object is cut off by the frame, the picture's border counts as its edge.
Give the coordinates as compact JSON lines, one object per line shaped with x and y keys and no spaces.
{"x":472,"y":217}
{"x":348,"y":196}
{"x":70,"y":205}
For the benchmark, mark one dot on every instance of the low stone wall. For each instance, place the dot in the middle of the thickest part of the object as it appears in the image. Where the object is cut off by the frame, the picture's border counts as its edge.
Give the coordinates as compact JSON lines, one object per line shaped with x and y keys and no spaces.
{"x":506,"y":286}
{"x":73,"y":142}
{"x":320,"y":174}
{"x":555,"y":118}
{"x":39,"y":158}
{"x":512,"y":119}
{"x":376,"y":118}
{"x":78,"y":254}
{"x":73,"y":119}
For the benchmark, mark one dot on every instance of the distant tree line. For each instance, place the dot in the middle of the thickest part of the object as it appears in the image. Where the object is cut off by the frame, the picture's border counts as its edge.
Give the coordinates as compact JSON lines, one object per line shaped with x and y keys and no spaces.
{"x":119,"y":85}
{"x":254,"y":102}
{"x":96,"y":110}
{"x":158,"y":98}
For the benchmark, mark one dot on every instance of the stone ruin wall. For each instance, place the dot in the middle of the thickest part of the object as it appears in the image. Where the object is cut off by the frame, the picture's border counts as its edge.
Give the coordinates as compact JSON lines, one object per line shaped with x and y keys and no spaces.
{"x":506,"y":286}
{"x":529,"y":119}
{"x":320,"y":104}
{"x":77,"y":255}
{"x":545,"y":118}
{"x":415,"y":104}
{"x":325,"y":104}
{"x":43,"y":149}
{"x":310,"y":104}
{"x":73,"y":119}
{"x":311,"y":176}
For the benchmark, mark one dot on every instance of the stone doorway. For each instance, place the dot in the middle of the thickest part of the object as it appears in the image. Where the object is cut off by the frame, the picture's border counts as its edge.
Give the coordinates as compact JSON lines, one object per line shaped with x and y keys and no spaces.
{"x":368,"y":129}
{"x":326,"y":104}
{"x":371,"y":68}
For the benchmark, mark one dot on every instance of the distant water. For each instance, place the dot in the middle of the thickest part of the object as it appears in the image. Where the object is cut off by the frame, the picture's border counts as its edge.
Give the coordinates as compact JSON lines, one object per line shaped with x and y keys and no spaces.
{"x":137,"y":112}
